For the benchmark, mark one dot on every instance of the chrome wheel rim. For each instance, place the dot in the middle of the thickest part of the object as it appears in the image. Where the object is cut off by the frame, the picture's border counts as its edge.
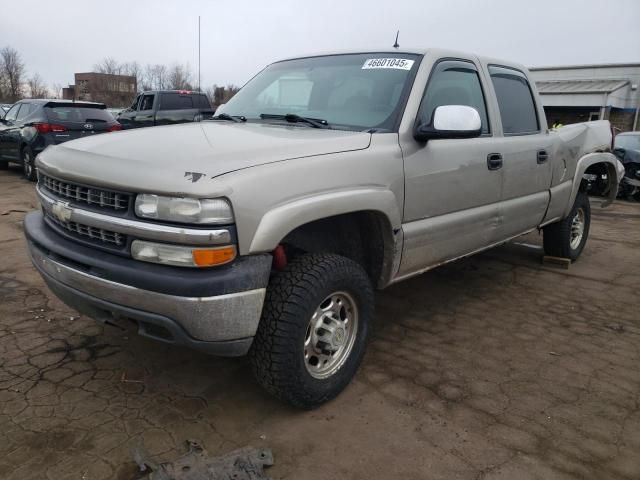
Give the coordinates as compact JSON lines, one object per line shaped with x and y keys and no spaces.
{"x":28,"y":167}
{"x":330,"y":335}
{"x":577,"y":229}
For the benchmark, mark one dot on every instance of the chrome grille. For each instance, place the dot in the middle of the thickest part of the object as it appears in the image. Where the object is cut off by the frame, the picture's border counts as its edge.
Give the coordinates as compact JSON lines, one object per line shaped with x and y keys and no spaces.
{"x":105,"y":236}
{"x":88,"y":195}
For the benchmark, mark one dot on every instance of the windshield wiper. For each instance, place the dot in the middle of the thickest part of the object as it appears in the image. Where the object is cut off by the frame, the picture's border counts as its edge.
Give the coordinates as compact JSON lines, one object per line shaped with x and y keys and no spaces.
{"x":293,"y":118}
{"x":232,"y":118}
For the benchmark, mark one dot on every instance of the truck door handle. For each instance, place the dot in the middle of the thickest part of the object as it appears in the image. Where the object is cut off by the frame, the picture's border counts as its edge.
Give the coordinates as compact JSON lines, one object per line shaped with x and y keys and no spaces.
{"x":542,"y":156}
{"x":494,"y":161}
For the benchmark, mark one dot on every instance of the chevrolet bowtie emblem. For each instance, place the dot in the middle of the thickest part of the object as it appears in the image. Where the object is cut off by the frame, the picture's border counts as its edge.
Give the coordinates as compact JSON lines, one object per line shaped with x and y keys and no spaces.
{"x":61,"y":211}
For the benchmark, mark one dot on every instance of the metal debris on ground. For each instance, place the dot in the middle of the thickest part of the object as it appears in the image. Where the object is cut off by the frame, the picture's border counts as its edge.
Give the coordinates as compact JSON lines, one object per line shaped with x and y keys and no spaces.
{"x":13,"y":210}
{"x":196,"y":464}
{"x":124,"y":379}
{"x":557,"y":261}
{"x":616,"y":327}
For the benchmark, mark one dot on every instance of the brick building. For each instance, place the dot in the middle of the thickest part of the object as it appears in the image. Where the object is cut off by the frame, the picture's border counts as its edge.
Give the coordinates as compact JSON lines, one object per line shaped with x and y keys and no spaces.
{"x":572,"y":94}
{"x":114,"y":90}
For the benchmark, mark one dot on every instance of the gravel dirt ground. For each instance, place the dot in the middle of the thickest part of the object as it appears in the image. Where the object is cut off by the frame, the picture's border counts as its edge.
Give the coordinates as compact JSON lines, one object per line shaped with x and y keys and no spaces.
{"x":493,"y":367}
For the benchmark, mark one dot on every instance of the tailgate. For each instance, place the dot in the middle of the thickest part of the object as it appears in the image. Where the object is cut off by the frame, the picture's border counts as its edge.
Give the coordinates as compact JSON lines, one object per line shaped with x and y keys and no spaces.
{"x":78,"y":121}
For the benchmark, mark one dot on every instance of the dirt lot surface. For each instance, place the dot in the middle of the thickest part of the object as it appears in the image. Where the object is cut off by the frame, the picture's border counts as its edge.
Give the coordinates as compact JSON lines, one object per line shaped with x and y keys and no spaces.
{"x":494,"y":367}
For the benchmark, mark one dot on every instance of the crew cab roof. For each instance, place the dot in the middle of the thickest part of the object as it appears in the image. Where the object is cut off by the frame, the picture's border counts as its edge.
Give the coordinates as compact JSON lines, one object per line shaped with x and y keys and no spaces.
{"x":437,"y":52}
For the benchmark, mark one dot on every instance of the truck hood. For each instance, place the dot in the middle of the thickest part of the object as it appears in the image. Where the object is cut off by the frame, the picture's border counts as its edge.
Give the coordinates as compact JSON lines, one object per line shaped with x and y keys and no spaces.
{"x":179,"y":159}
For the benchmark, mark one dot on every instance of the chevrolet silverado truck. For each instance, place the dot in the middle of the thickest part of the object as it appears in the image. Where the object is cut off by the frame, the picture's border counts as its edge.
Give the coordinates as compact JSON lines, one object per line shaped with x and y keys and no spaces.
{"x":165,"y":107}
{"x":266,"y":230}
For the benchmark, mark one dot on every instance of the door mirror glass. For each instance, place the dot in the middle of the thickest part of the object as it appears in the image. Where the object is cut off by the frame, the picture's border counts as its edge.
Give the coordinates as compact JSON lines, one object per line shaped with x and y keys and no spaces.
{"x":451,"y":121}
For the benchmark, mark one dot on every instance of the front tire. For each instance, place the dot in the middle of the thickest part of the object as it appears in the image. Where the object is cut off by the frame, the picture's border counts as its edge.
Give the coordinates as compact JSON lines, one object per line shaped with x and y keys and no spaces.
{"x":28,"y":164}
{"x":567,"y":238}
{"x":314,"y":329}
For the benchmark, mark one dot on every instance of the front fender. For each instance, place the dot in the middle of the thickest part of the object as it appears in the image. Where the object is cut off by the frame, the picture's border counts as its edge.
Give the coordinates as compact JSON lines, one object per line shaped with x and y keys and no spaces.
{"x":615,"y":172}
{"x":281,"y":220}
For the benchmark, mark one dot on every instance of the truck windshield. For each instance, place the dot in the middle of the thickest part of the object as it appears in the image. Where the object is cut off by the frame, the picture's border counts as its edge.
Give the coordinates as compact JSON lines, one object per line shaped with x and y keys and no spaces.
{"x":355,"y":92}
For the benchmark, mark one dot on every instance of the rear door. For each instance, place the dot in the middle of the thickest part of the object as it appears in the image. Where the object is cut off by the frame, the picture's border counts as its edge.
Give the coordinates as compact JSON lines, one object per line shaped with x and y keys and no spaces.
{"x":525,"y":146}
{"x":145,"y":115}
{"x":70,"y":121}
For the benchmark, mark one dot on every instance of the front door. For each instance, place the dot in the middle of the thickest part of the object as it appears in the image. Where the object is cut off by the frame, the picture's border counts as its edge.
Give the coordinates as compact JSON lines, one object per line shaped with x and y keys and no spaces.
{"x":10,"y":135}
{"x":452,"y":186}
{"x":126,"y":118}
{"x":145,"y":114}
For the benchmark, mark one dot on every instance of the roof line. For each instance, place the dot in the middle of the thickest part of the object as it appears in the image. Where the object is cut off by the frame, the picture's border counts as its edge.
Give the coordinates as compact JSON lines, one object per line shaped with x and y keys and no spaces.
{"x":611,"y":89}
{"x":583,"y":80}
{"x":577,"y":67}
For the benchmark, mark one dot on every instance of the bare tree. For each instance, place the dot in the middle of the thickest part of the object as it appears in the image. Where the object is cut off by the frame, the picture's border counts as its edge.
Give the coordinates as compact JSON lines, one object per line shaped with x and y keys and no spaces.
{"x":56,"y":90}
{"x":108,"y":65}
{"x":37,"y":88}
{"x":155,"y":77}
{"x":230,"y":91}
{"x":219,"y":94}
{"x":133,"y":69}
{"x":210,"y":92}
{"x":11,"y":74}
{"x":180,"y":77}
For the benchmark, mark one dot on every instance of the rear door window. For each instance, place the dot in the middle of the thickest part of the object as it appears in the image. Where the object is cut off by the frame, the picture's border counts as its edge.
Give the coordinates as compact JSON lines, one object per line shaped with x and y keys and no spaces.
{"x":175,"y":101}
{"x":78,"y":115}
{"x":147,"y":102}
{"x":515,"y":99}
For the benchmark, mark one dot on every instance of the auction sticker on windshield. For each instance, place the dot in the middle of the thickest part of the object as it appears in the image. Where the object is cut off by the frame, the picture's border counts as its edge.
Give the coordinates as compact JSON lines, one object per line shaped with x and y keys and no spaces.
{"x":398,"y":63}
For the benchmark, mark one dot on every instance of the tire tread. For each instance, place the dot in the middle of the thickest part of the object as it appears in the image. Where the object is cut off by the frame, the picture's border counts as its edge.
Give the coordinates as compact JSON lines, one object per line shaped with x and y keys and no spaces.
{"x":285,"y":312}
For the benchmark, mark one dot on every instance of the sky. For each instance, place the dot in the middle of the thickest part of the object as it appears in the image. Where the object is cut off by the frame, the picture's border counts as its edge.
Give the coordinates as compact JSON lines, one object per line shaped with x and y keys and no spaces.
{"x":239,"y":37}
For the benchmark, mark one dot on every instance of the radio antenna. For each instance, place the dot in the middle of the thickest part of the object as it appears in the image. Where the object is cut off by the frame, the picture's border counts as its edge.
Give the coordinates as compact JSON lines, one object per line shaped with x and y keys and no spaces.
{"x":395,"y":45}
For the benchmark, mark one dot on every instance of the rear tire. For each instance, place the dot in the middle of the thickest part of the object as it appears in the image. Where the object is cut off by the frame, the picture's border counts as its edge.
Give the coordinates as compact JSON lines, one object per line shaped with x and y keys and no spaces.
{"x":314,"y":329}
{"x":4,"y":165}
{"x":567,"y":238}
{"x":28,"y":164}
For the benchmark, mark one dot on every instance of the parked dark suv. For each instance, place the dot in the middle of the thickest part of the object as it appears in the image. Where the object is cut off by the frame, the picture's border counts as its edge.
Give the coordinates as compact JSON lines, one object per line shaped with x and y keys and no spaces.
{"x":30,"y":126}
{"x":166,"y":107}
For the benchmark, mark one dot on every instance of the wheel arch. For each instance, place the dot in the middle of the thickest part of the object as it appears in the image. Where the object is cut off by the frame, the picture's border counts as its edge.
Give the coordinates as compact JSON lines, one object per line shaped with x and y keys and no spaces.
{"x":371,"y":216}
{"x":597,"y":161}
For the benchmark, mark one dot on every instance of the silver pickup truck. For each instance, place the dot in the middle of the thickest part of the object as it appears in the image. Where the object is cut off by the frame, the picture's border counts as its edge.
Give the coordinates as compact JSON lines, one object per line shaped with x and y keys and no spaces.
{"x":266,"y":230}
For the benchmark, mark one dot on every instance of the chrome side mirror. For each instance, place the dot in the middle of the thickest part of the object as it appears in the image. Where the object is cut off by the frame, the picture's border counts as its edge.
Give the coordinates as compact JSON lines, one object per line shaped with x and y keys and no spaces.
{"x":451,"y":121}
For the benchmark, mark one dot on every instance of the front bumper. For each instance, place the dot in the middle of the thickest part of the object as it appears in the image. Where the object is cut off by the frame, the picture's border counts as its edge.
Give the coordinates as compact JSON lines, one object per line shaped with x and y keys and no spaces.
{"x":211,"y":318}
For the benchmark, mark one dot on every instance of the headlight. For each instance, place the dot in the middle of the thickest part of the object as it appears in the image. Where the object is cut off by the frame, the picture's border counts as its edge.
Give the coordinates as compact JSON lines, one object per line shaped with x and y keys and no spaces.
{"x":181,"y":256}
{"x":184,"y":210}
